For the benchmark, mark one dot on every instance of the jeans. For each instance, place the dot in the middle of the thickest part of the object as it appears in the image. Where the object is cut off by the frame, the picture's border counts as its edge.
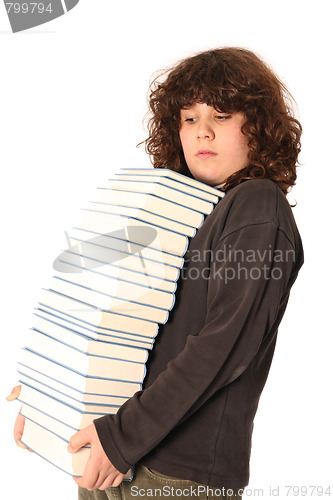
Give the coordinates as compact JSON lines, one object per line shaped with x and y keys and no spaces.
{"x":148,"y":485}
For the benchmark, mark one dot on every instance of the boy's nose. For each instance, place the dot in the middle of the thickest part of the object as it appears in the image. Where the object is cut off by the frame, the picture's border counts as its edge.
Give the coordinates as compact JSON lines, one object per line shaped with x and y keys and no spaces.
{"x":205,"y":131}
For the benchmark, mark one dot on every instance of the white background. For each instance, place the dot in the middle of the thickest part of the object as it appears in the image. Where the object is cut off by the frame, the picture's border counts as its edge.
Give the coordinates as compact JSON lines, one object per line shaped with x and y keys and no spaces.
{"x":72,"y":99}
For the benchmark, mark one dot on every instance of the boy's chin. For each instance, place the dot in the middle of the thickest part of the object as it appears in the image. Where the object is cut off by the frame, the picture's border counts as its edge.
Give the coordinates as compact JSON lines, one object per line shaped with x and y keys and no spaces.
{"x":208,"y":180}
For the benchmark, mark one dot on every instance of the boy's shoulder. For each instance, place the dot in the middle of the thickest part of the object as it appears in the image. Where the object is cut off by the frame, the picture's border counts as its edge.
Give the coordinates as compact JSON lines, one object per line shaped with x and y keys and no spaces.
{"x":256,"y":201}
{"x":255,"y":188}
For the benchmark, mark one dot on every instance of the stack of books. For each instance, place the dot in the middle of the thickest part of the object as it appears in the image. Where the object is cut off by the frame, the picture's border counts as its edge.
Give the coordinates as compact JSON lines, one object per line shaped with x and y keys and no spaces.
{"x":112,"y":287}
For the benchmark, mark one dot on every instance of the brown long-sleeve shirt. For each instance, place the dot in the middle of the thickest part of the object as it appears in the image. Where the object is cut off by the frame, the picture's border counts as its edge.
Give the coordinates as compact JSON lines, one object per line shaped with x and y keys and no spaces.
{"x":194,"y":417}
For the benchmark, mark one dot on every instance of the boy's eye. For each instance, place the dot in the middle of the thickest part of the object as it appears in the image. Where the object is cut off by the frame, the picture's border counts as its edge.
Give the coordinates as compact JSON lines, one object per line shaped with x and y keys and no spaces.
{"x":193,"y":119}
{"x":222,"y":117}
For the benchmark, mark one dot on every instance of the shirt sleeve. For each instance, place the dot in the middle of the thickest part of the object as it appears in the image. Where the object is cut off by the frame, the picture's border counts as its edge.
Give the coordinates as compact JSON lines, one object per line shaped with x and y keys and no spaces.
{"x":245,"y":291}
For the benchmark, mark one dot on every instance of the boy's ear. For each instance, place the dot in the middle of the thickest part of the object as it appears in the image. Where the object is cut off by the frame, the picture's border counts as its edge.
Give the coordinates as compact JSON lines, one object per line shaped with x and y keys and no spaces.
{"x":23,"y":15}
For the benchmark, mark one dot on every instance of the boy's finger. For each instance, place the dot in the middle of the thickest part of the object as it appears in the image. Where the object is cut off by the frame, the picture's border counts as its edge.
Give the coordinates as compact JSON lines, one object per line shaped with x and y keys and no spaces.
{"x":90,"y":476}
{"x":14,"y":394}
{"x":78,"y":440}
{"x":18,"y":431}
{"x":19,"y":427}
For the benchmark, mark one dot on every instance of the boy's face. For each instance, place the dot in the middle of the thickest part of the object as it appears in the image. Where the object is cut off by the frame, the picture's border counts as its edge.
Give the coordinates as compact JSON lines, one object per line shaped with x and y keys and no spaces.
{"x":213,"y":144}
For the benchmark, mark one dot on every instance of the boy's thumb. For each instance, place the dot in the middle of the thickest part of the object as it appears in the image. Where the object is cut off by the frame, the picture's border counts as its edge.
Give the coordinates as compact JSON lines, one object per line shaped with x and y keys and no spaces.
{"x":77,"y":441}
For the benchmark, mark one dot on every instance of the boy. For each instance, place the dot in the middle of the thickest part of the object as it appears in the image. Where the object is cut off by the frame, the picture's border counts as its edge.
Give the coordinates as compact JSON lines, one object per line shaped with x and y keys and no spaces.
{"x":221,"y":117}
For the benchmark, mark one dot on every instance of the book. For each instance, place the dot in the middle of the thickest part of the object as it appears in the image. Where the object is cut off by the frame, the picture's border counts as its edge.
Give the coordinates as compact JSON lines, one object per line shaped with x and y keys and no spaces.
{"x":122,"y":240}
{"x":188,"y":189}
{"x":94,"y":326}
{"x":53,"y":448}
{"x":172,"y":174}
{"x":87,"y":364}
{"x":82,"y":342}
{"x":37,"y":392}
{"x":137,"y":269}
{"x":47,"y":421}
{"x":146,"y":290}
{"x":58,"y":409}
{"x":151,"y":203}
{"x":160,"y":238}
{"x":32,"y":377}
{"x":98,"y":334}
{"x":144,"y":216}
{"x":95,"y":318}
{"x":72,"y":378}
{"x":167,"y":191}
{"x":106,"y":302}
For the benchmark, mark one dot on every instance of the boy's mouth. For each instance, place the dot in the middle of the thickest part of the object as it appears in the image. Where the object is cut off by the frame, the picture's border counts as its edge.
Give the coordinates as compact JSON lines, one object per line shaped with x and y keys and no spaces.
{"x":202,"y":154}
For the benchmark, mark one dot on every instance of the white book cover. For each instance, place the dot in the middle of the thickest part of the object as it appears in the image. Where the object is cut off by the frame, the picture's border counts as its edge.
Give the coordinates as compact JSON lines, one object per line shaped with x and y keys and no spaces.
{"x":75,"y":379}
{"x":87,"y":364}
{"x":152,"y":203}
{"x":85,"y":344}
{"x":92,"y":316}
{"x":108,"y":302}
{"x":160,"y":238}
{"x":72,"y":392}
{"x":101,"y":409}
{"x":59,"y":410}
{"x":83,"y":256}
{"x":98,"y":334}
{"x":168,"y":192}
{"x":109,"y":281}
{"x":144,"y":215}
{"x":50,"y":439}
{"x":176,"y":185}
{"x":123,"y":245}
{"x":172,"y":174}
{"x":53,"y":448}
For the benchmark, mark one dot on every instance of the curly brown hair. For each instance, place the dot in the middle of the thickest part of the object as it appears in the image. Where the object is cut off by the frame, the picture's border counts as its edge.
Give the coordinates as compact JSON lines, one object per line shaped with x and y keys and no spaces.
{"x":230,"y":79}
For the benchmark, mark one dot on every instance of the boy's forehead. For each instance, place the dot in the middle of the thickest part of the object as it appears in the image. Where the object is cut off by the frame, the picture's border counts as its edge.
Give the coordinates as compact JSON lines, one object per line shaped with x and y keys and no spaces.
{"x":215,"y":98}
{"x":196,"y":103}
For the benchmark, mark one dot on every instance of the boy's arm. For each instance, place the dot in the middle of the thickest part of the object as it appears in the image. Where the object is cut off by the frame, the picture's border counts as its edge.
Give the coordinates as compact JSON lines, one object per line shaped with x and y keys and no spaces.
{"x":238,"y":315}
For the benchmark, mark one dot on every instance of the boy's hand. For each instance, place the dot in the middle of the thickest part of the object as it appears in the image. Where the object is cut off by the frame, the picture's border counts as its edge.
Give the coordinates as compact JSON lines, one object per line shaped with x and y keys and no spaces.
{"x":16,"y":391}
{"x":20,"y":420}
{"x":99,"y":472}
